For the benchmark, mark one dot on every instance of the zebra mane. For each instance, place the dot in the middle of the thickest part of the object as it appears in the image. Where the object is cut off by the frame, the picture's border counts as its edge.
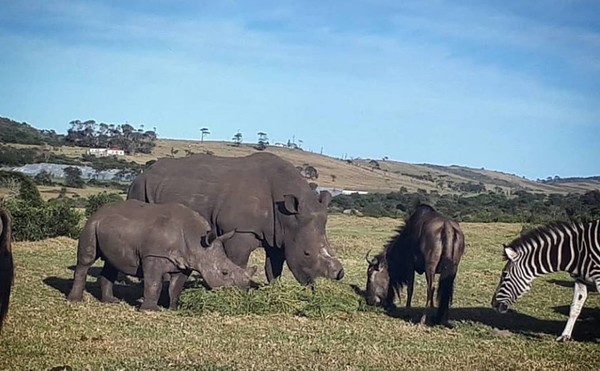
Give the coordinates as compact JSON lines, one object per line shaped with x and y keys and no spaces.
{"x":540,"y":231}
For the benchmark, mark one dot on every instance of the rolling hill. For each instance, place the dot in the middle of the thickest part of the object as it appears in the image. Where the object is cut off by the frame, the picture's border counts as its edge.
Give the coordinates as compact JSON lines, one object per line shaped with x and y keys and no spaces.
{"x":375,"y":176}
{"x":357,"y":174}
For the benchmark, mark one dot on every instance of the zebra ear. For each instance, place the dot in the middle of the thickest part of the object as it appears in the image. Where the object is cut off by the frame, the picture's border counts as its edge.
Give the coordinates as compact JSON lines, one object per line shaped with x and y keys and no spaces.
{"x":510,"y":253}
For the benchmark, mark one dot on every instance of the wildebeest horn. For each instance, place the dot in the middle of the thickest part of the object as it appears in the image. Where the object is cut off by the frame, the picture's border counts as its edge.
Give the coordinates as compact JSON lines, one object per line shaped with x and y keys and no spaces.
{"x":367,"y":257}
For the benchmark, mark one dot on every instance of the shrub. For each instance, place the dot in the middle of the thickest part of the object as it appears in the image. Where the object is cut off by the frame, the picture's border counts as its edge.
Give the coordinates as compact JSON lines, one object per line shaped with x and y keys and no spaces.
{"x":96,"y":201}
{"x":28,"y":192}
{"x":32,"y":223}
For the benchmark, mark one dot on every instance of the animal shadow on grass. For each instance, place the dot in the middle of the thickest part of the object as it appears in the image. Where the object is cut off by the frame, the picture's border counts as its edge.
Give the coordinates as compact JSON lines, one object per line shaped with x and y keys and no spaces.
{"x":125,"y":289}
{"x":587,"y":327}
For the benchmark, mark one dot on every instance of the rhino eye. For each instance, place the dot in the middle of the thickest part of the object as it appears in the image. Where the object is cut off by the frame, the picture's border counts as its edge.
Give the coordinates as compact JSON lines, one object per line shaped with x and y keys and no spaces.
{"x":306,"y":253}
{"x":225,"y":272}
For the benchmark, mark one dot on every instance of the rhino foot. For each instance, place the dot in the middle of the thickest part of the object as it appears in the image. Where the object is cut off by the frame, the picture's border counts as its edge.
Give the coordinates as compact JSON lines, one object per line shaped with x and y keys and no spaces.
{"x":110,"y":300}
{"x":75,"y":297}
{"x":149,"y":307}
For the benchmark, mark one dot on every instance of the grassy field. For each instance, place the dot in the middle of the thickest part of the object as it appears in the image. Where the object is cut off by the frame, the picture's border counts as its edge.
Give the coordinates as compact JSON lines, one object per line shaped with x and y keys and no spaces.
{"x":44,"y":330}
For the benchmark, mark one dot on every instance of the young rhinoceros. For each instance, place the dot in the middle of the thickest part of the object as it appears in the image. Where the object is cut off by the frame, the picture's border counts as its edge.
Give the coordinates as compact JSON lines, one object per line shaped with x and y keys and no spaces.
{"x":150,"y":241}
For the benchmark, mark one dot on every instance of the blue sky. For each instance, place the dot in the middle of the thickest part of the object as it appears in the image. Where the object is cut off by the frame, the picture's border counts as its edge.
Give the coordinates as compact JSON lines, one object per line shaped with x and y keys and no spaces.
{"x":511,"y":86}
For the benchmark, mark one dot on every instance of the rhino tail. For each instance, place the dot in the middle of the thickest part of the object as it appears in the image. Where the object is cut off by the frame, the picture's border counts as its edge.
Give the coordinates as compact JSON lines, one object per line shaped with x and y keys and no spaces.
{"x":7,"y":269}
{"x":87,"y":246}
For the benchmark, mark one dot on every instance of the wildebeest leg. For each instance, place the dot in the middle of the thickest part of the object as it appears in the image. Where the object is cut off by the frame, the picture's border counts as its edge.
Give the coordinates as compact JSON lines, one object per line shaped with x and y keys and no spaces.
{"x":153,"y":270}
{"x":429,"y":277}
{"x":445,"y":293}
{"x":275,"y":258}
{"x":239,"y":247}
{"x":175,"y":287}
{"x":410,"y":285}
{"x":107,"y":279}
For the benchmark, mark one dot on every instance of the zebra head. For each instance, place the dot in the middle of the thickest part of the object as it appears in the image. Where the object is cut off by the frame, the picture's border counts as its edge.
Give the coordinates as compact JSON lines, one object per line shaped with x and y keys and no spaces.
{"x":515,"y":280}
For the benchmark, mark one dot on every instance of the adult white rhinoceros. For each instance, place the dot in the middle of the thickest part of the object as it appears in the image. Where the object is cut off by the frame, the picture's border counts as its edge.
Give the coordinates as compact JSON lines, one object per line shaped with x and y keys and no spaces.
{"x":261,"y":196}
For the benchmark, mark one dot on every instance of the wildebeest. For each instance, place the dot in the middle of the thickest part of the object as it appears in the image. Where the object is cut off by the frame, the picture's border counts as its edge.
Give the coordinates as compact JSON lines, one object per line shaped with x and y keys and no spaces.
{"x":151,"y":241}
{"x":262,"y":197}
{"x":428,"y":243}
{"x":7,"y":269}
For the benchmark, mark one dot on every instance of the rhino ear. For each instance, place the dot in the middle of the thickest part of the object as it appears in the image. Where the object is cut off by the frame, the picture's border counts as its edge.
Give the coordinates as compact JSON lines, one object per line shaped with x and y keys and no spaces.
{"x":208,"y":239}
{"x":226,"y":236}
{"x":290,"y":202}
{"x":325,"y":197}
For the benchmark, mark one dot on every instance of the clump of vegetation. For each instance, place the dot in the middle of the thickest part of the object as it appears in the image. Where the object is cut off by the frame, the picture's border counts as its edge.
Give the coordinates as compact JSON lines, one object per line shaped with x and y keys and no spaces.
{"x":52,"y":219}
{"x":325,"y":298}
{"x":91,"y":134}
{"x":94,"y":202}
{"x":33,"y":218}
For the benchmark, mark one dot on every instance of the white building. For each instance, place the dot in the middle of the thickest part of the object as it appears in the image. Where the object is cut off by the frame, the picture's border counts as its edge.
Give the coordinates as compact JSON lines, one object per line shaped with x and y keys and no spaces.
{"x":105,"y":152}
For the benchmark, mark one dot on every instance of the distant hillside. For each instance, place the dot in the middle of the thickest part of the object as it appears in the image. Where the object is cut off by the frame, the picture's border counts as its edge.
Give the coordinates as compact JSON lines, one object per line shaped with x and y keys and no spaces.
{"x":358,"y":174}
{"x":23,"y":133}
{"x":378,"y":175}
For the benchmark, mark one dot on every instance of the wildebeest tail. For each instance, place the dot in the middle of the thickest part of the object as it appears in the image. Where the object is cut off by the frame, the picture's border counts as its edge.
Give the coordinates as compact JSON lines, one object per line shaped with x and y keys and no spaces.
{"x":7,"y":269}
{"x":453,"y":242}
{"x":452,"y":249}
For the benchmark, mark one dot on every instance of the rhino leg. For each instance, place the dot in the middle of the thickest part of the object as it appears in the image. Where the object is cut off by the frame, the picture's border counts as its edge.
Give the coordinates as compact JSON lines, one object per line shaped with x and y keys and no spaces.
{"x":274,"y":263}
{"x":86,"y":256}
{"x":107,"y":278}
{"x":175,"y":287}
{"x":239,"y":247}
{"x":153,"y":270}
{"x":79,"y":280}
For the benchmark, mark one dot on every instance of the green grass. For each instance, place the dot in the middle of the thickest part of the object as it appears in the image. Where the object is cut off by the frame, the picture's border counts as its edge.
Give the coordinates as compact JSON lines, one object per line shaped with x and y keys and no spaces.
{"x":232,"y":331}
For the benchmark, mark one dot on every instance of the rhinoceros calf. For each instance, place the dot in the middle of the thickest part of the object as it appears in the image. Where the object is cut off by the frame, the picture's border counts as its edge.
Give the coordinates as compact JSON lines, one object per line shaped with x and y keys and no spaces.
{"x":150,"y":241}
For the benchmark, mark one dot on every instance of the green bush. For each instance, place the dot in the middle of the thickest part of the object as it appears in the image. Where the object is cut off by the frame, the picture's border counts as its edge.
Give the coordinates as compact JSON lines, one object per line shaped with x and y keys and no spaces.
{"x":32,"y":223}
{"x":96,"y":201}
{"x":28,"y":191}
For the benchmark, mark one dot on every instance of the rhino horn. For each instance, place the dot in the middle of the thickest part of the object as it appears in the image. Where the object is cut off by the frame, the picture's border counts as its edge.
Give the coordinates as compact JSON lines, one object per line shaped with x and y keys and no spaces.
{"x":252,"y":270}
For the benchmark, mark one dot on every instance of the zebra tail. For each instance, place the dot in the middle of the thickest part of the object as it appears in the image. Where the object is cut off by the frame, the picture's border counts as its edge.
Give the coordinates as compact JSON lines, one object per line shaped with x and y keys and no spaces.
{"x":7,"y":269}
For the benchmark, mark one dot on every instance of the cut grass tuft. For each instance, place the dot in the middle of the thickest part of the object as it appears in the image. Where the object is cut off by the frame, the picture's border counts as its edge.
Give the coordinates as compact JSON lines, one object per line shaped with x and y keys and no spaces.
{"x":321,"y":300}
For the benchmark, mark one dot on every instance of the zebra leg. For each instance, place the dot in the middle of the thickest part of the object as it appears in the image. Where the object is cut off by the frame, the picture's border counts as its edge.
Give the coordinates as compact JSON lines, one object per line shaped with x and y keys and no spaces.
{"x":579,"y":297}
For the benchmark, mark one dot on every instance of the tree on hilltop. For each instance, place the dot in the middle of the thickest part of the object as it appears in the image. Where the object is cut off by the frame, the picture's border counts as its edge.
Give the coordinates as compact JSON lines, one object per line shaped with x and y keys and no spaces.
{"x":204,"y":132}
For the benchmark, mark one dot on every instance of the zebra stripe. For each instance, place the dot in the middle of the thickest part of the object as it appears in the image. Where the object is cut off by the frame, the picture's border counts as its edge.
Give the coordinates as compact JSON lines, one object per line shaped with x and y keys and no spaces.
{"x":568,"y":247}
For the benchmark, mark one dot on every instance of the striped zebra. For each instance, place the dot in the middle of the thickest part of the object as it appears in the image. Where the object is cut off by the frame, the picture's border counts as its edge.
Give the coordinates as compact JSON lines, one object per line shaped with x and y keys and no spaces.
{"x":561,"y":246}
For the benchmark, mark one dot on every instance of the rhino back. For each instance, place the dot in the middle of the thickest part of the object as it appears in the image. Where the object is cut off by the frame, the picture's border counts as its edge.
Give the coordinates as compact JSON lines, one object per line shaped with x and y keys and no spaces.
{"x":131,"y":230}
{"x":229,"y":192}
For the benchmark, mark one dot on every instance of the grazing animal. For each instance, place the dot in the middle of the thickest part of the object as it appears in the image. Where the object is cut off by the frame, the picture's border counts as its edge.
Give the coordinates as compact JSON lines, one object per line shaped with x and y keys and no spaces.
{"x":428,"y":243}
{"x":561,"y":246}
{"x":151,"y":241}
{"x":262,"y":197}
{"x":7,"y":269}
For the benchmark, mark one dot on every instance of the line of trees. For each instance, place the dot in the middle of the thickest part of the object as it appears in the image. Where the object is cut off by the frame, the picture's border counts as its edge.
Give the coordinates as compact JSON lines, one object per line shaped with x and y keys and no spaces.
{"x":523,"y":207}
{"x":100,"y":135}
